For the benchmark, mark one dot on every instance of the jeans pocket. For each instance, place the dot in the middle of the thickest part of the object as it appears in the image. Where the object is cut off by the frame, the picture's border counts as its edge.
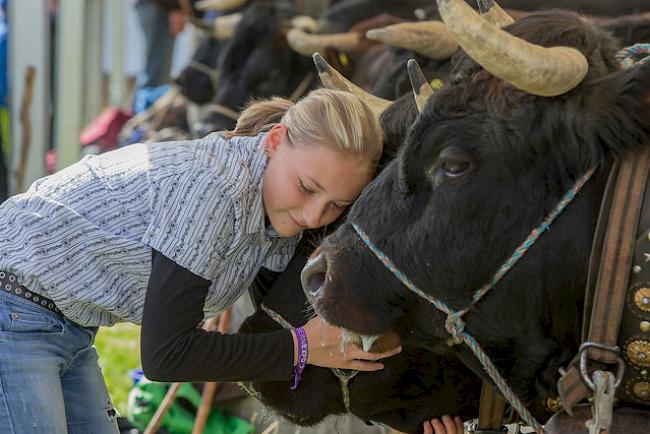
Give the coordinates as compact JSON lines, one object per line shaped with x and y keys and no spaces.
{"x":20,"y":317}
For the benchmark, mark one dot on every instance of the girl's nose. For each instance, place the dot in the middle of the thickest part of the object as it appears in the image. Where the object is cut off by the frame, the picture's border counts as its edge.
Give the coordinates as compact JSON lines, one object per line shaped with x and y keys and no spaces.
{"x":312,"y":214}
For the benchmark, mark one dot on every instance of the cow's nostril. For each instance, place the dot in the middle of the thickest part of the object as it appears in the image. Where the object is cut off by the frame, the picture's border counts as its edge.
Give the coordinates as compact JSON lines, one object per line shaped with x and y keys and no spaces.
{"x":315,"y":284}
{"x":313,"y":276}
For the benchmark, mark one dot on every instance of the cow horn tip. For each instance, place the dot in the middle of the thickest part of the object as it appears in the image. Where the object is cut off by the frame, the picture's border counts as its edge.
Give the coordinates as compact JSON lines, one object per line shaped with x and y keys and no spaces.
{"x":412,"y":66}
{"x":375,"y":34}
{"x":320,"y":63}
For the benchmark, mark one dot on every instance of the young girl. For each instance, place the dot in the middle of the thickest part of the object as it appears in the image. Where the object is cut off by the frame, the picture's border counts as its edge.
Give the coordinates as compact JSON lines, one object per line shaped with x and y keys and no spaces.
{"x":164,"y":234}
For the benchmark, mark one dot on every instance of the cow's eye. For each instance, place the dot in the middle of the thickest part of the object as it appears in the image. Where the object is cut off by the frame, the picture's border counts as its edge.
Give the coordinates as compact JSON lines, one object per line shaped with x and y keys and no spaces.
{"x":455,"y":169}
{"x":451,"y":166}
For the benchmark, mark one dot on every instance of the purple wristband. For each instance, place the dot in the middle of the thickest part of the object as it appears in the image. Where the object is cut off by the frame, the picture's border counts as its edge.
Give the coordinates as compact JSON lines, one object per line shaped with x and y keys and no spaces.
{"x":302,"y":356}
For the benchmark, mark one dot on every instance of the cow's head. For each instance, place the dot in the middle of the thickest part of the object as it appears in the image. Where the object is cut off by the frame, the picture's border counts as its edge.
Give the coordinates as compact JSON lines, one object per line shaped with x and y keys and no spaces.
{"x":482,"y":166}
{"x":198,"y":81}
{"x":256,"y":63}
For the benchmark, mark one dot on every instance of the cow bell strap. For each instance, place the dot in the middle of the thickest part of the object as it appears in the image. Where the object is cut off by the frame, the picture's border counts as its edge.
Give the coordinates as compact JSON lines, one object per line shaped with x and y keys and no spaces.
{"x":612,"y":253}
{"x":491,"y":408}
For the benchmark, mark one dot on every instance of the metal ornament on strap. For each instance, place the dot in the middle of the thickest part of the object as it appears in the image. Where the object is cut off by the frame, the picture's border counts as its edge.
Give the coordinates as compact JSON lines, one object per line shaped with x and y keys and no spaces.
{"x":454,"y":323}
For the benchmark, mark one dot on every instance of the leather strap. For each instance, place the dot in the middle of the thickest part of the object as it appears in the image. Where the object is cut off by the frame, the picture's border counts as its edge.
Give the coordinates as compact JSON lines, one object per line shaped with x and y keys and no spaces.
{"x":491,"y":408}
{"x":612,"y":253}
{"x":615,"y":266}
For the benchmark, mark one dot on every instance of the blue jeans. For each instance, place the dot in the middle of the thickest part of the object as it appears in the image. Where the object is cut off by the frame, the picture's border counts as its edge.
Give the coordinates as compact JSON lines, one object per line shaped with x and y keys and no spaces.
{"x":50,"y":381}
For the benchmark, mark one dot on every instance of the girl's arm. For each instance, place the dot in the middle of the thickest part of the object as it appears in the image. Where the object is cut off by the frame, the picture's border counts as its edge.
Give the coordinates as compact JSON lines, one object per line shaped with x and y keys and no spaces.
{"x":175,"y":349}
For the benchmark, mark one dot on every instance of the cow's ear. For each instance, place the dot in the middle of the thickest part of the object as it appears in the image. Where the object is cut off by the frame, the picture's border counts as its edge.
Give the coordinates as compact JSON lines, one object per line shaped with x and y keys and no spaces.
{"x":620,"y":104}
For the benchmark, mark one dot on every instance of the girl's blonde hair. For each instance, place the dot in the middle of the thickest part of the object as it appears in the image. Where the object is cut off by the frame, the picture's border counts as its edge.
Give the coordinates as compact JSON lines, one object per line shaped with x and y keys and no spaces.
{"x":333,"y":118}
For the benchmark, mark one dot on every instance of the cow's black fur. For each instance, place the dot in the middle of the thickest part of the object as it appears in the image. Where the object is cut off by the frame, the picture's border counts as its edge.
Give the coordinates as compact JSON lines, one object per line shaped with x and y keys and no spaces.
{"x":592,"y":7}
{"x":481,"y":167}
{"x":194,"y":83}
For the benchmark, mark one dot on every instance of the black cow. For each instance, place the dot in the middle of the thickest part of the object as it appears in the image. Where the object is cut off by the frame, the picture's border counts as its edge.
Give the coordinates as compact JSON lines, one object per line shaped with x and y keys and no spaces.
{"x":256,"y":62}
{"x":481,"y":167}
{"x":198,"y":81}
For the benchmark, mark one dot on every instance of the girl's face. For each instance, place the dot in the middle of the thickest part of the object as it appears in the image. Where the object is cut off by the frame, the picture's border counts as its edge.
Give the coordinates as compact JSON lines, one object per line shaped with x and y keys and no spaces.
{"x":308,"y":186}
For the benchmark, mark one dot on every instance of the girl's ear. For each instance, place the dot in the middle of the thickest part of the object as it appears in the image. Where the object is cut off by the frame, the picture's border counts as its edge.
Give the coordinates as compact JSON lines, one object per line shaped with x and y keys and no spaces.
{"x":276,"y":136}
{"x":621,"y":107}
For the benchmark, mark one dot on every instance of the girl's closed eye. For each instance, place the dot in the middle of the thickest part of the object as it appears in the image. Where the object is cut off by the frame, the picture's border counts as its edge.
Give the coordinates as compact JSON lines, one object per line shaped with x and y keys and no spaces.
{"x":304,"y":188}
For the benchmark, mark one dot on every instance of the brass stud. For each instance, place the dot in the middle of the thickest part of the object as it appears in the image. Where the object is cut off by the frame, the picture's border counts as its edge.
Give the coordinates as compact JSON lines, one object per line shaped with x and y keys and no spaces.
{"x":642,"y":299}
{"x":644,"y":326}
{"x":638,"y":352}
{"x":642,"y":390}
{"x":648,"y":236}
{"x":636,"y":269}
{"x":554,"y":404}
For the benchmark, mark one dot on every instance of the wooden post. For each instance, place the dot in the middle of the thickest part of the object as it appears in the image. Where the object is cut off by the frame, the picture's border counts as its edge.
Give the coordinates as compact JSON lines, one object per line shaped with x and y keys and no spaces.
{"x":29,"y":46}
{"x":210,"y":388}
{"x":162,"y":410}
{"x":26,"y":125}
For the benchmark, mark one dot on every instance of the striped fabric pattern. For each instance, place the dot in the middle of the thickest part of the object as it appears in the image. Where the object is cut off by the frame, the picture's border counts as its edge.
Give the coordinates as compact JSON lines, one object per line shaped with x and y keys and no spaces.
{"x":83,"y":236}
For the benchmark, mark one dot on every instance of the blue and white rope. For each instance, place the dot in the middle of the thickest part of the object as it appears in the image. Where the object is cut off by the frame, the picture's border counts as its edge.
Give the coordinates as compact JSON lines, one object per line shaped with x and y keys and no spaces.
{"x":630,"y":56}
{"x":454,"y":323}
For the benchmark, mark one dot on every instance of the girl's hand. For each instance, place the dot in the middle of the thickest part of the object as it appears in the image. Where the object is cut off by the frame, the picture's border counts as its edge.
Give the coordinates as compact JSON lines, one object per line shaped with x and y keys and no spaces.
{"x":324,"y":349}
{"x":445,"y":426}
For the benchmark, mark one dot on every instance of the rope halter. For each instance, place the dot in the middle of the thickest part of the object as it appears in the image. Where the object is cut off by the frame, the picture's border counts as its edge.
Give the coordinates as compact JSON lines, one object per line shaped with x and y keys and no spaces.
{"x":454,"y":324}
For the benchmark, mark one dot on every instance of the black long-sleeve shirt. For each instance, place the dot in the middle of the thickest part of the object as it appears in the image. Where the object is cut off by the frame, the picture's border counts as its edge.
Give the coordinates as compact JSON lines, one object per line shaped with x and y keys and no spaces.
{"x":175,"y":349}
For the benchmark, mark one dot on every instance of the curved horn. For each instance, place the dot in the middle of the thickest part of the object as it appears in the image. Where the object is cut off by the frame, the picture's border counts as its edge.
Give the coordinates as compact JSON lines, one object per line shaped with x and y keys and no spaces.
{"x":493,"y":13}
{"x":529,"y":67}
{"x":429,"y":38}
{"x":307,"y":43}
{"x":304,"y":22}
{"x":332,"y":79}
{"x":219,"y":5}
{"x":223,"y":27}
{"x":422,"y":90}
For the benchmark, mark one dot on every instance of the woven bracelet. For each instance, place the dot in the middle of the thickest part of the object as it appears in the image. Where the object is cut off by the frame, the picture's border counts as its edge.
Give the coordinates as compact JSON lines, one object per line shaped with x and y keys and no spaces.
{"x":302,"y":356}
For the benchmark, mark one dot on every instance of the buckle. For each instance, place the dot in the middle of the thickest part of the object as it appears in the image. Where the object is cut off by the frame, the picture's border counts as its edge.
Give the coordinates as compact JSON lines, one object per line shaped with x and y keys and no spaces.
{"x":584,"y":373}
{"x":474,"y":429}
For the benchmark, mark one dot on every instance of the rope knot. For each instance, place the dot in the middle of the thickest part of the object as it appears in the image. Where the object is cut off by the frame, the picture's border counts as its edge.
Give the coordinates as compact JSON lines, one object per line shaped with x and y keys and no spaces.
{"x":637,"y":53}
{"x":455,"y":326}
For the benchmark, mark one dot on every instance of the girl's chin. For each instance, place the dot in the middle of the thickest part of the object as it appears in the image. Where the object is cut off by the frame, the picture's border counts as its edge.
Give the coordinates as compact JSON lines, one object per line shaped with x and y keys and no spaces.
{"x":285,"y":228}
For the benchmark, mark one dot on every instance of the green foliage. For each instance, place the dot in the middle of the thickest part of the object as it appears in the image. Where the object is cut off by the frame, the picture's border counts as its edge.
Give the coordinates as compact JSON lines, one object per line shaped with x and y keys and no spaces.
{"x":119,"y":352}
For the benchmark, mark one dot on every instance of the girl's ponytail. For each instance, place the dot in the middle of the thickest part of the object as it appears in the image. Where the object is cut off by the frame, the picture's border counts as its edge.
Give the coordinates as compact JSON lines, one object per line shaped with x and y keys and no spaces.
{"x":260,"y":116}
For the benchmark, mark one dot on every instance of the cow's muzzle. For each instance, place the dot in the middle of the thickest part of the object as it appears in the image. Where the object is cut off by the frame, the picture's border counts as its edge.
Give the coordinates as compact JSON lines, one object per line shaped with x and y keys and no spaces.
{"x":313,"y":275}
